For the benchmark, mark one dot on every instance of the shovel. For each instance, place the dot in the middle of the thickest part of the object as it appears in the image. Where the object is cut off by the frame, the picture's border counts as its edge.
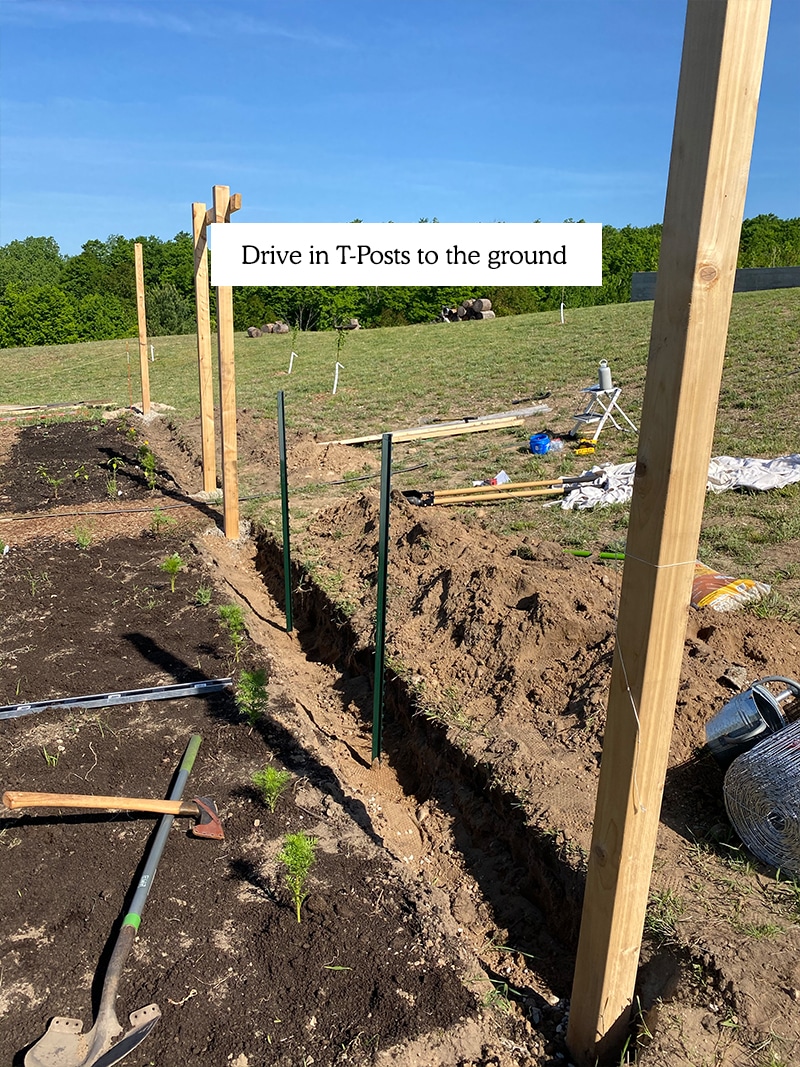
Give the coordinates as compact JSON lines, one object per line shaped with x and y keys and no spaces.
{"x":63,"y":1044}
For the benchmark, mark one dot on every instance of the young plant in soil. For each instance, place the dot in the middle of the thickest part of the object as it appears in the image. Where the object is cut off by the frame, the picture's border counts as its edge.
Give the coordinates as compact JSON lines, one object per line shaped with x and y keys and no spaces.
{"x":232,"y":618}
{"x":147,"y":459}
{"x":160,"y":522}
{"x":251,"y":695}
{"x":83,"y":536}
{"x":297,"y":855}
{"x":172,"y":565}
{"x":112,"y":488}
{"x":202,"y":596}
{"x":52,"y":481}
{"x":271,"y":784}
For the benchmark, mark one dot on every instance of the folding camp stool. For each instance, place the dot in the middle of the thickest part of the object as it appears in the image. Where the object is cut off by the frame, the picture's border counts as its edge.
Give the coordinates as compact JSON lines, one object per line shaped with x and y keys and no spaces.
{"x":600,"y":410}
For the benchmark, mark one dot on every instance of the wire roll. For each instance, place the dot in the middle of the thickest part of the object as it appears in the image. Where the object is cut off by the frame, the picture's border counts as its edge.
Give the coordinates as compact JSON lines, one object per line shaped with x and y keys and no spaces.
{"x":762,"y":798}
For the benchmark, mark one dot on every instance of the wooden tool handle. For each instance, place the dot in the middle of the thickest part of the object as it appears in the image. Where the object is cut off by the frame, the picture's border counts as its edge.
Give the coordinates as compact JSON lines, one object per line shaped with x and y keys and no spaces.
{"x":16,"y":799}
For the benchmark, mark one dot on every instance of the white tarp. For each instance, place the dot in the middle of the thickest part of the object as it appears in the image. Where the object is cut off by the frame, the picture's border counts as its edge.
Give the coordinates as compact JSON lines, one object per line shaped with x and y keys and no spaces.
{"x":724,"y":472}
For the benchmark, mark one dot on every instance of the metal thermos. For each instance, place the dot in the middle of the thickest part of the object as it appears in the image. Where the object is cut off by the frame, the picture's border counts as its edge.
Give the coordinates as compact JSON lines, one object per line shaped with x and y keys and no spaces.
{"x":604,"y":377}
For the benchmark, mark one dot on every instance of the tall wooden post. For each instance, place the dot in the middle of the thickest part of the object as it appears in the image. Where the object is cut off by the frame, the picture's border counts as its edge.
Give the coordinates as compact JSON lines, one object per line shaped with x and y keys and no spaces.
{"x":141,"y":316}
{"x":204,"y":348}
{"x":223,"y":204}
{"x":720,"y":78}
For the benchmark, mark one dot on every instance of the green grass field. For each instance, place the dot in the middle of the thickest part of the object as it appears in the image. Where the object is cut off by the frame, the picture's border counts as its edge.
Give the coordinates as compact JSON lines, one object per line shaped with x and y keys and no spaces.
{"x":400,"y":377}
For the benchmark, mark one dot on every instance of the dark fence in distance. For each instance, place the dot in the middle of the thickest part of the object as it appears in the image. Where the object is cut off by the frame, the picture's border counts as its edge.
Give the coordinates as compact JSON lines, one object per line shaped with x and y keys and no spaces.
{"x":748,"y":280}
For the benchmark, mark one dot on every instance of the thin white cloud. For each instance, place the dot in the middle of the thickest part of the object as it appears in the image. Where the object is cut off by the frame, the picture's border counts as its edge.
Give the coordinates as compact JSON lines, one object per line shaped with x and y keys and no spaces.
{"x":205,"y":22}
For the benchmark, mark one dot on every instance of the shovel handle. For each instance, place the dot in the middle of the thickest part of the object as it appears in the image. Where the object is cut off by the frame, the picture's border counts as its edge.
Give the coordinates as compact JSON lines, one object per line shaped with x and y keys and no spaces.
{"x":17,"y":799}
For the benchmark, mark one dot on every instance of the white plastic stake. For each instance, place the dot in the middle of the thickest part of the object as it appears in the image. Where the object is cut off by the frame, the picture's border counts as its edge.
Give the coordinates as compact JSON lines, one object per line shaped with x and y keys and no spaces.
{"x":562,"y":313}
{"x":152,"y":354}
{"x":339,"y":367}
{"x":292,"y":358}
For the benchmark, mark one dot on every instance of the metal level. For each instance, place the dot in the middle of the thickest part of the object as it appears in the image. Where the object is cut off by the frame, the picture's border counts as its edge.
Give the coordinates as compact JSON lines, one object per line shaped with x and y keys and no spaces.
{"x":127,"y":696}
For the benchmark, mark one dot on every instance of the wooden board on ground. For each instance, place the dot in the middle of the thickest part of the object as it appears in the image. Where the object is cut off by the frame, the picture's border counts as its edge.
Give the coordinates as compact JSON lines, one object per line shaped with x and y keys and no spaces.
{"x":501,"y":420}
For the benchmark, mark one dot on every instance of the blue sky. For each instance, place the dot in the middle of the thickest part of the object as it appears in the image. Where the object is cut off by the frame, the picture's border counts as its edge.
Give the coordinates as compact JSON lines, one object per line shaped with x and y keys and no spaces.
{"x":117,"y":114}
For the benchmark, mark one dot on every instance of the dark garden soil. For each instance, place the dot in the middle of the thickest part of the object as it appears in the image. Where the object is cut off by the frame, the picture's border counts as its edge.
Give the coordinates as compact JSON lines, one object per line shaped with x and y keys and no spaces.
{"x":443,"y":908}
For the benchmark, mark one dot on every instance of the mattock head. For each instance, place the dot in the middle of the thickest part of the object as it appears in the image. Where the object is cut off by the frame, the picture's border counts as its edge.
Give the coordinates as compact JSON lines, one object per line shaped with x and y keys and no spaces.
{"x":208,"y":823}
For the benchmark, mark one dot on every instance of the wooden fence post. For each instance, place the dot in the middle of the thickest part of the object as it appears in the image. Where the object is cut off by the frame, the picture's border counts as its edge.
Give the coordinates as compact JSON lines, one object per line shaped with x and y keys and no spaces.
{"x":204,"y":348}
{"x":720,"y":77}
{"x":141,"y":316}
{"x":223,"y":204}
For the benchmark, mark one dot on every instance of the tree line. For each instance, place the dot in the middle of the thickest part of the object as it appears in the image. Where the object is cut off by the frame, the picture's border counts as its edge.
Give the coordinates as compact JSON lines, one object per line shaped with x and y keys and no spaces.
{"x":49,"y":298}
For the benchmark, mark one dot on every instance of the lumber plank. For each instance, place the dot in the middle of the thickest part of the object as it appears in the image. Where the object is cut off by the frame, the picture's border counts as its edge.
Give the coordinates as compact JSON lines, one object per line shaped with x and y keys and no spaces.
{"x":204,"y":365}
{"x":141,"y":316}
{"x":498,"y":494}
{"x":718,"y":92}
{"x":500,"y":420}
{"x":227,"y":386}
{"x":424,"y":432}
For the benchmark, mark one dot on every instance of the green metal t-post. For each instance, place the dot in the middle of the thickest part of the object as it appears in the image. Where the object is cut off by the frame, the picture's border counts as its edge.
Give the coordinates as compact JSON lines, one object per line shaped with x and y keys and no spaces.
{"x":380,"y":620}
{"x":287,"y":556}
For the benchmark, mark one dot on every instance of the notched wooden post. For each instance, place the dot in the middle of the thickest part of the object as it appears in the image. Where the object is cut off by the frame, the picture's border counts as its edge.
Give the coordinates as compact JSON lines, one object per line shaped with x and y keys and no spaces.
{"x":223,"y":205}
{"x":204,"y":348}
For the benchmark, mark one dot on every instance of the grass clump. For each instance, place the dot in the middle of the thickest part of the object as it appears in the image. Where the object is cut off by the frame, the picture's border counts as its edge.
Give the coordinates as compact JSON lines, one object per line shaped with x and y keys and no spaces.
{"x":663,"y":912}
{"x":251,"y":694}
{"x":271,"y":784}
{"x":297,"y":854}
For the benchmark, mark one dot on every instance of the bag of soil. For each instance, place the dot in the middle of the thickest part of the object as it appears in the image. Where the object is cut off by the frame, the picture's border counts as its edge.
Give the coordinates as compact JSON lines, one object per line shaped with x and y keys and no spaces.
{"x":722,"y":592}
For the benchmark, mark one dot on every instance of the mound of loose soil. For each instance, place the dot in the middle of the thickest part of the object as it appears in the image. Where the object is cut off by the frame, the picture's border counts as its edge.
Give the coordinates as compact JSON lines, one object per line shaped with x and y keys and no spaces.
{"x":504,"y":649}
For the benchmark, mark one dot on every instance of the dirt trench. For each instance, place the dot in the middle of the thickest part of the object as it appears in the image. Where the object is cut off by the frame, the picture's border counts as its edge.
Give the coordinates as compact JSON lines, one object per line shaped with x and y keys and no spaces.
{"x":523,"y":873}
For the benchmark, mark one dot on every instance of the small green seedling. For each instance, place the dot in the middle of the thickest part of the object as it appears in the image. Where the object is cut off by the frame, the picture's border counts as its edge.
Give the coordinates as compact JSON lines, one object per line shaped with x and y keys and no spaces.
{"x":297,"y":855}
{"x":112,"y":489}
{"x":81,"y":473}
{"x":51,"y":480}
{"x":159,"y":522}
{"x":147,"y":459}
{"x":271,"y":784}
{"x":172,"y":565}
{"x":251,"y":694}
{"x":50,"y":758}
{"x":83,"y":536}
{"x":232,"y":618}
{"x":202,"y":596}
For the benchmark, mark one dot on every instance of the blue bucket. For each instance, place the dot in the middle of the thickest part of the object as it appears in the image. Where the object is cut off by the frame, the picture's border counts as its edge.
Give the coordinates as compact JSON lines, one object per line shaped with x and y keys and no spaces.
{"x":540,"y":443}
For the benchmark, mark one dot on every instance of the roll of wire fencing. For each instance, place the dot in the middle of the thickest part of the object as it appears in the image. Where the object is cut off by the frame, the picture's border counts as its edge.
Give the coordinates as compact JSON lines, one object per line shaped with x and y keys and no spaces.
{"x":762,"y":798}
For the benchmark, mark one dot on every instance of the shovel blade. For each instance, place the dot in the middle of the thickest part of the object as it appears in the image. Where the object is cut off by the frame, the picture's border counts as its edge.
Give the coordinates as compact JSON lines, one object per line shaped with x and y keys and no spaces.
{"x":63,"y":1044}
{"x":142,"y":1022}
